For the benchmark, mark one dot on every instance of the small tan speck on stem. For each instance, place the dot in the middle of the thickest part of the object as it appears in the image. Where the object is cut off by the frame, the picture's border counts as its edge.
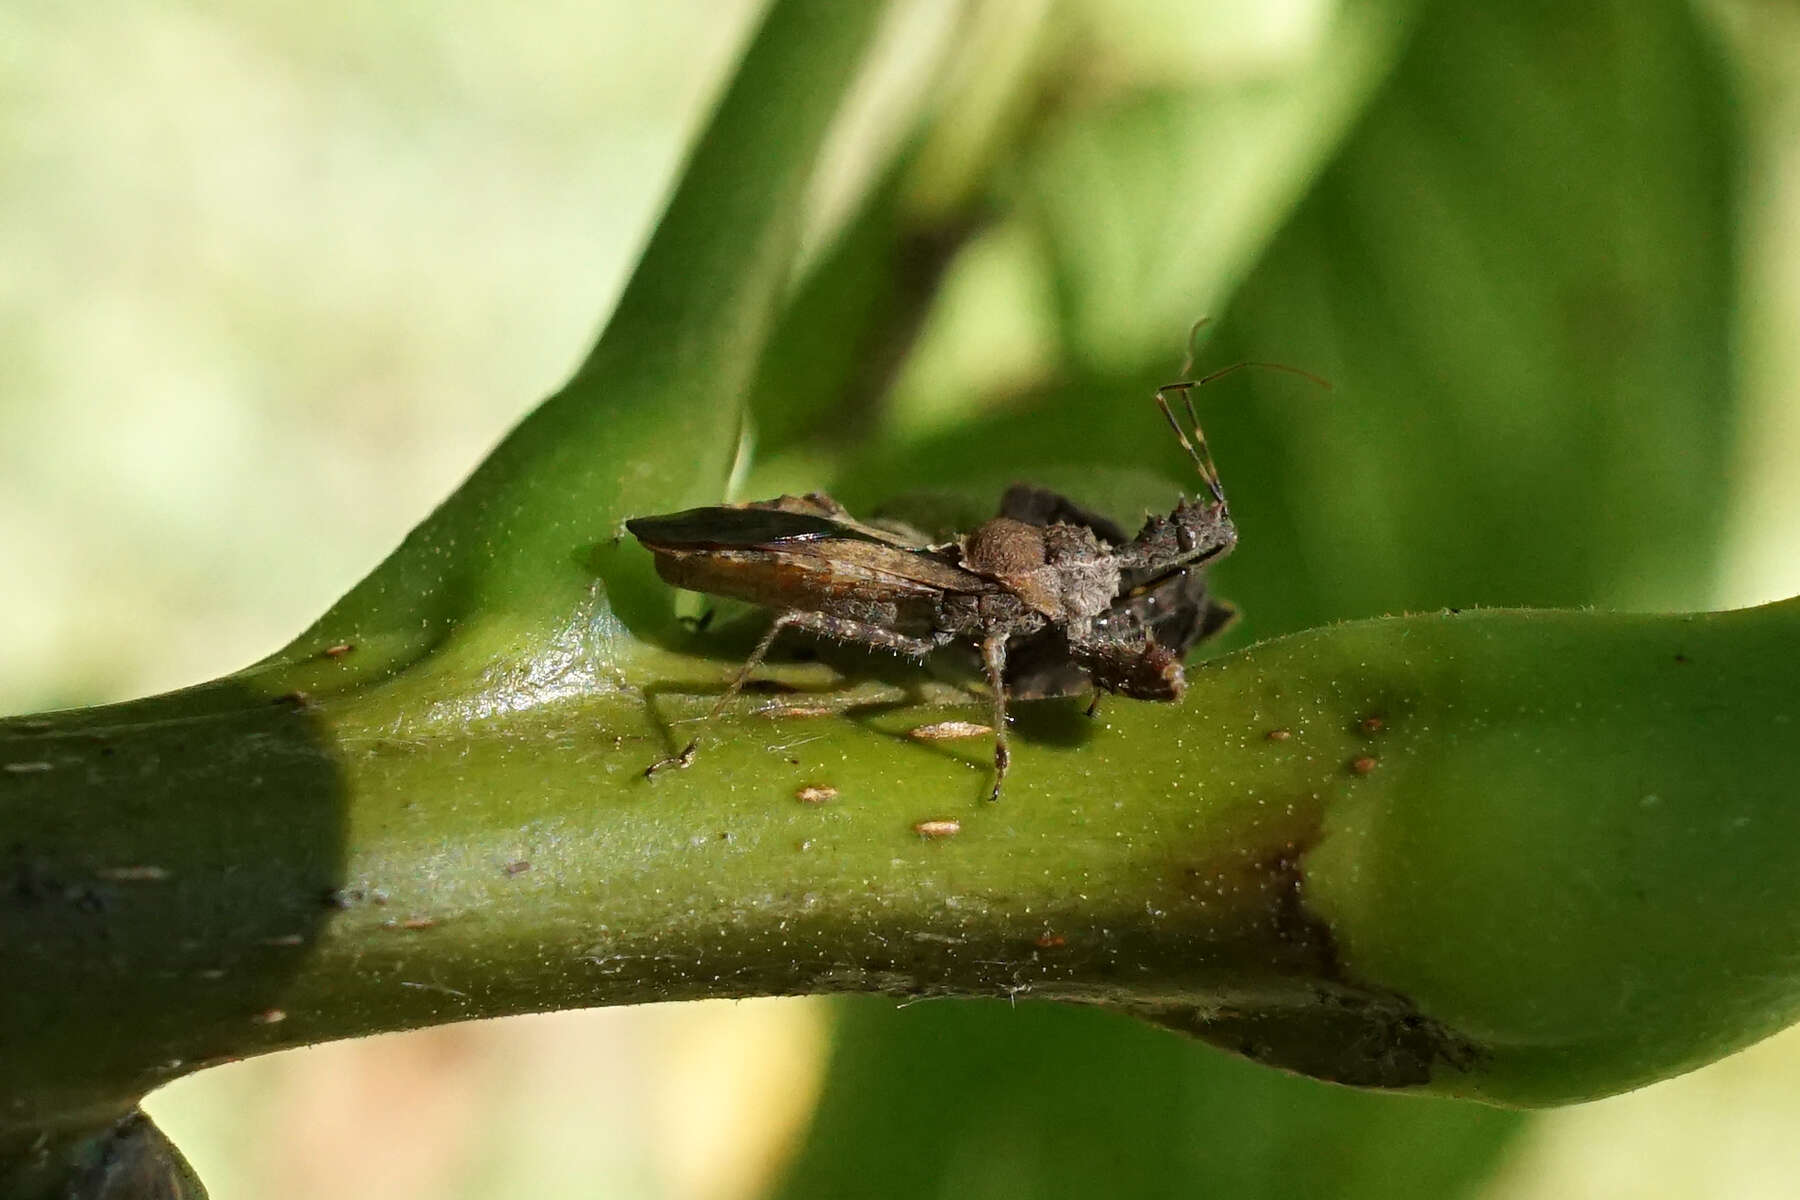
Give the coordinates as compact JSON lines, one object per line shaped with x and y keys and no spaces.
{"x":946,"y":731}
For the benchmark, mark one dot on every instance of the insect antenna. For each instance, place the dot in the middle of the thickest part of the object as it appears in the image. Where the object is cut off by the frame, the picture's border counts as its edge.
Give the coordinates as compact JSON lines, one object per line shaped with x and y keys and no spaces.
{"x":1193,"y":348}
{"x":1203,"y":456}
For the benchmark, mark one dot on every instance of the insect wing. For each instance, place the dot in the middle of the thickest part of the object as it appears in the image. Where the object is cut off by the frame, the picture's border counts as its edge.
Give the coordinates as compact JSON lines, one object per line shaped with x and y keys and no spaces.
{"x":787,"y":559}
{"x":726,"y":528}
{"x":892,"y":566}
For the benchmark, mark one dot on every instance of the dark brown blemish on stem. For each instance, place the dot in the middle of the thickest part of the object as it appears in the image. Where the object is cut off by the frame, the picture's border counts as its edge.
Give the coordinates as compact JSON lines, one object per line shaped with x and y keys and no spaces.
{"x":1341,"y":1034}
{"x":342,"y":899}
{"x":35,"y":883}
{"x":1305,"y":1011}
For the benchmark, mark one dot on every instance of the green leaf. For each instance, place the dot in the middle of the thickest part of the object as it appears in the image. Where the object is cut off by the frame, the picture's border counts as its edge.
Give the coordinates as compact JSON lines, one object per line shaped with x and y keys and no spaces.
{"x":1154,"y":205}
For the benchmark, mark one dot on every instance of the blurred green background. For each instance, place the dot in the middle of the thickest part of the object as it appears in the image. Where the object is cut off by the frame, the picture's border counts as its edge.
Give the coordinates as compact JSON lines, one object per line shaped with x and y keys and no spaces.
{"x":274,"y":276}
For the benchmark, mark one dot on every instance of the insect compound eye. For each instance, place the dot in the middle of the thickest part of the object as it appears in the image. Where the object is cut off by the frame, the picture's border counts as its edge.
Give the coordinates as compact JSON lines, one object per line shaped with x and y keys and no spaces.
{"x":1184,"y":537}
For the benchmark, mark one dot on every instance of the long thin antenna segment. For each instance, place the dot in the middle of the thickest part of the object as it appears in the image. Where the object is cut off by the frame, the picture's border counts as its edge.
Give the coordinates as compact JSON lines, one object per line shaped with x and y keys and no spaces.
{"x":1222,"y":372}
{"x":1202,"y":457}
{"x":1193,"y":346}
{"x":1213,"y":483}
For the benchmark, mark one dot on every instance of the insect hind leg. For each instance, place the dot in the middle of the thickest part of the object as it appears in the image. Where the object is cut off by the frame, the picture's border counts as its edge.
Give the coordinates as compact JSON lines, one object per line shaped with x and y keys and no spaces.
{"x":844,"y":629}
{"x":821,"y":624}
{"x":761,"y":652}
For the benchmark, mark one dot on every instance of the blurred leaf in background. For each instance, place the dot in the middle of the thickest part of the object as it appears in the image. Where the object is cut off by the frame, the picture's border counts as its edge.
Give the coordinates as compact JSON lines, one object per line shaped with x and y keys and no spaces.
{"x":985,"y":1101}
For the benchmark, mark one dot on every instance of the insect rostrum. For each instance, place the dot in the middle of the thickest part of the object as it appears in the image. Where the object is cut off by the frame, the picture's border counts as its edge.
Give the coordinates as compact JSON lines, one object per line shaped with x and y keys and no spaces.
{"x":1055,"y":598}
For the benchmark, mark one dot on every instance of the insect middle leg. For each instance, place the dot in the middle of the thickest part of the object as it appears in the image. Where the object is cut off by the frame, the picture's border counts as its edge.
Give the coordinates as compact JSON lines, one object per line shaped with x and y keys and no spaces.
{"x":993,"y":657}
{"x":823,"y":625}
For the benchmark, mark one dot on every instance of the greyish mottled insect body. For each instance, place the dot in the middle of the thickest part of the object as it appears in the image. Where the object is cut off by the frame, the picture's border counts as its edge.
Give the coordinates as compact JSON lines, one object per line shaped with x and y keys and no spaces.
{"x":1063,"y":589}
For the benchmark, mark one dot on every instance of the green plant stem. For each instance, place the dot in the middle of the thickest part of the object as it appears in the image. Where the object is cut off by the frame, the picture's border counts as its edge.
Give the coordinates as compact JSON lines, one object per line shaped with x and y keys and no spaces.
{"x":1526,"y":857}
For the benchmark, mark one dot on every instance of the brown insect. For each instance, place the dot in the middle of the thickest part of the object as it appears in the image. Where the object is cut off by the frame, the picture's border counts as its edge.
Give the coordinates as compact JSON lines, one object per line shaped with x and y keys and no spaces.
{"x":1058,"y":593}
